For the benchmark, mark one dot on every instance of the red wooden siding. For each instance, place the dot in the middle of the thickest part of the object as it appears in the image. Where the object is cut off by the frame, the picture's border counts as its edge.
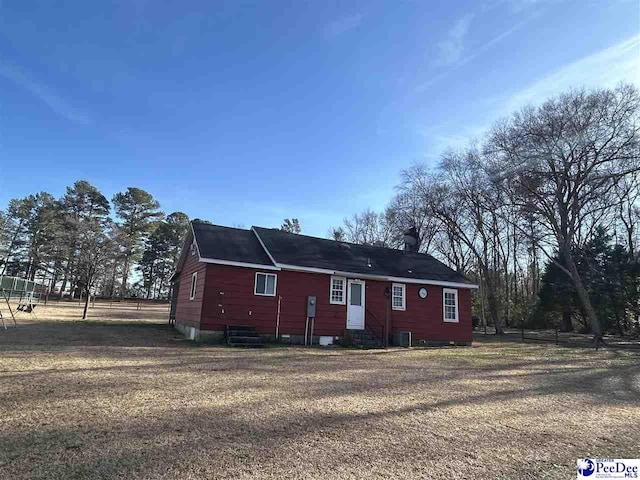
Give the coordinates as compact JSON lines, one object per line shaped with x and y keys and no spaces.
{"x":188,"y":312}
{"x":229,"y":300}
{"x":230,"y":289}
{"x":424,"y":318}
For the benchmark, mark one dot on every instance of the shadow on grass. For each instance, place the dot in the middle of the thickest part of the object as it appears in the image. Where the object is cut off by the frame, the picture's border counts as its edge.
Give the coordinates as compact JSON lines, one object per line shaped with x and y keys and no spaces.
{"x":225,"y":441}
{"x":300,"y":399}
{"x":57,"y":335}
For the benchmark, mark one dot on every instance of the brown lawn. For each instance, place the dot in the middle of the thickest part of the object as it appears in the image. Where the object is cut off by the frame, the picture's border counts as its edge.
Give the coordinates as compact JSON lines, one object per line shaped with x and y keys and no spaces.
{"x":117,"y":399}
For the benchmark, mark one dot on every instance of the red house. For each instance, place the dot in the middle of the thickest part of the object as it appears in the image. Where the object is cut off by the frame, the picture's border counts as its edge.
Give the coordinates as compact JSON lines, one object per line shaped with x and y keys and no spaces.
{"x":298,"y":289}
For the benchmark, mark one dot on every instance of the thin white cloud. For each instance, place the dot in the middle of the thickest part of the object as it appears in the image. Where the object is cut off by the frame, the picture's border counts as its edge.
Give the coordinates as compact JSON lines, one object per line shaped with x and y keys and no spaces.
{"x":472,"y":55}
{"x":517,"y":6}
{"x":451,"y":48}
{"x":342,"y":25}
{"x":440,"y":139}
{"x":605,"y":68}
{"x":493,"y":41}
{"x":45,"y":94}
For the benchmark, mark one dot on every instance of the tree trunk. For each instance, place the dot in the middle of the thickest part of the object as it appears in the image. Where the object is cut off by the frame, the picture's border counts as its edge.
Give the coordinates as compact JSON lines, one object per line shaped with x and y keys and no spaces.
{"x":492,"y":301}
{"x":86,"y":305}
{"x":493,"y":311}
{"x":565,"y":323}
{"x":583,"y":295}
{"x":490,"y":289}
{"x":54,"y":276}
{"x":150,"y":284}
{"x":112,"y":287}
{"x":125,"y":277}
{"x":68,"y":271}
{"x":508,"y":298}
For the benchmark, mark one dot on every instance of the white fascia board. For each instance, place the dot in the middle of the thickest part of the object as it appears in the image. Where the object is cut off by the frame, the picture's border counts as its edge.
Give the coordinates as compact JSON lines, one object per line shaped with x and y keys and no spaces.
{"x":230,"y":263}
{"x":433,"y":282}
{"x":284,"y":266}
{"x":418,"y":281}
{"x":184,"y":252}
{"x":264,"y":247}
{"x":193,"y":234}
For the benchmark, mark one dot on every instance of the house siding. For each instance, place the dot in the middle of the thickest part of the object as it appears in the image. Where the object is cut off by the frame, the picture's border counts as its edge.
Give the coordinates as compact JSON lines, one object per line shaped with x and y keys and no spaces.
{"x":189,"y":312}
{"x":228,"y":299}
{"x":424,"y":318}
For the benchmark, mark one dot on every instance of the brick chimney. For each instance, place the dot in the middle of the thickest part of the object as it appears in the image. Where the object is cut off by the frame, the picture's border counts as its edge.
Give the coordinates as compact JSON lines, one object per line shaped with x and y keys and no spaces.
{"x":411,"y":240}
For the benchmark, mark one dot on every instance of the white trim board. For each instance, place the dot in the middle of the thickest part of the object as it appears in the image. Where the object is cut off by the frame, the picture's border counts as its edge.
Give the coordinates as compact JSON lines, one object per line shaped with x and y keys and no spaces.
{"x":238,"y":264}
{"x":193,"y":288}
{"x":264,"y":247}
{"x":444,"y":306}
{"x":195,"y":239}
{"x":385,"y":278}
{"x":267,"y":275}
{"x":403,"y":307}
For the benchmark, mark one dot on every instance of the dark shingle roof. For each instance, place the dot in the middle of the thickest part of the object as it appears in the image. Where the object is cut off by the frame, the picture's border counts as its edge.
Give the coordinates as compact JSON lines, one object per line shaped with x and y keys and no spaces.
{"x":230,"y":244}
{"x":303,"y":251}
{"x":238,"y":245}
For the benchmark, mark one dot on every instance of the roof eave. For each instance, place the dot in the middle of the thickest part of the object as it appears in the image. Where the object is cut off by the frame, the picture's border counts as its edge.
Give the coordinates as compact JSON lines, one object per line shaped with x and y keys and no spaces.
{"x":387,"y":278}
{"x":232,"y":263}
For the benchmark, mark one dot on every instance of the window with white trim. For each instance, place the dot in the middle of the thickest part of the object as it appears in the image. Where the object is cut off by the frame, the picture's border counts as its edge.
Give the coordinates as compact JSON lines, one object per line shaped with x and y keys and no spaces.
{"x":337,"y":294}
{"x":450,"y":304}
{"x":194,"y":283}
{"x":398,"y":296}
{"x":265,"y":284}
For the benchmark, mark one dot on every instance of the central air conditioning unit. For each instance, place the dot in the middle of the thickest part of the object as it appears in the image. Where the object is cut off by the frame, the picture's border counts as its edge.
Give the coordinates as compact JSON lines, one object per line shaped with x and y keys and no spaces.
{"x":402,"y":339}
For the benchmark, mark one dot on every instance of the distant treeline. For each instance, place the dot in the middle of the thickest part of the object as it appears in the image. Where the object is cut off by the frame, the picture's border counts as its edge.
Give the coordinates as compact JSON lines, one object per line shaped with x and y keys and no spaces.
{"x":73,"y":245}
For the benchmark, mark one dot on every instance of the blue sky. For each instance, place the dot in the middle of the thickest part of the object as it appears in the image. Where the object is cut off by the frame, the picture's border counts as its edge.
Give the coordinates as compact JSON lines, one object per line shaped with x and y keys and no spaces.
{"x":248,"y":112}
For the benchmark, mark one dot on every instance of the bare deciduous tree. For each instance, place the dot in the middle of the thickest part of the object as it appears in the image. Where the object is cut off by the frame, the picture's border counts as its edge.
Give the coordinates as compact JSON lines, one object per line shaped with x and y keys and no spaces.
{"x":370,"y":228}
{"x":560,"y":164}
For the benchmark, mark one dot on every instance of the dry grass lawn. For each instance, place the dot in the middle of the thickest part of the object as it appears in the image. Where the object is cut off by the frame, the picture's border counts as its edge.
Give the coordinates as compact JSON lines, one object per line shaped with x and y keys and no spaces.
{"x":119,"y":399}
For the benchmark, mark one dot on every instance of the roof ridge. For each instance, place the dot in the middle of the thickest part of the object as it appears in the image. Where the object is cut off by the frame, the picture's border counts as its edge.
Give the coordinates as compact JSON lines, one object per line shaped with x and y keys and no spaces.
{"x":340,"y":241}
{"x":209,"y":224}
{"x":365,"y":245}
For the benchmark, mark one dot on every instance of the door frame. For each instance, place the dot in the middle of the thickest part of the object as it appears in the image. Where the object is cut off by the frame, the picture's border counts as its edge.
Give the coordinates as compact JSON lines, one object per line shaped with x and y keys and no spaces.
{"x":364,"y":303}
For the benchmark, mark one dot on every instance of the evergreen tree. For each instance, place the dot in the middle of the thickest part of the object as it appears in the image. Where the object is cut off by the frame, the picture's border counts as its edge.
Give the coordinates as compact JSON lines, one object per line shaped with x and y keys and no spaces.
{"x":82,"y":204}
{"x":138,"y":213}
{"x":610,"y":274}
{"x":290,"y":225}
{"x":161,"y":254}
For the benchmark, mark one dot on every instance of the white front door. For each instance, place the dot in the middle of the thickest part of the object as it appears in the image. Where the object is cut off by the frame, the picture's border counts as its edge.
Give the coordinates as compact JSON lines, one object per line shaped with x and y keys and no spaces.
{"x":355,"y":305}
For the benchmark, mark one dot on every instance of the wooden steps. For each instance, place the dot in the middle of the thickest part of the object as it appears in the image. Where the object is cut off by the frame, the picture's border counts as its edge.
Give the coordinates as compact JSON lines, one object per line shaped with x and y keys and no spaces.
{"x":242,"y":336}
{"x":364,"y":338}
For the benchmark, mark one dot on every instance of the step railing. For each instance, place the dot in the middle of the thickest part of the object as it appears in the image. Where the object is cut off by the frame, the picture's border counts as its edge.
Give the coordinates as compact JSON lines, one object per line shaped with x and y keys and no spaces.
{"x":377,"y":329}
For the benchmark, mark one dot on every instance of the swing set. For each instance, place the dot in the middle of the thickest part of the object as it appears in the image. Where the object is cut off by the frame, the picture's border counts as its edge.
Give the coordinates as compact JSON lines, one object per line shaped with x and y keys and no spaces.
{"x":25,"y":292}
